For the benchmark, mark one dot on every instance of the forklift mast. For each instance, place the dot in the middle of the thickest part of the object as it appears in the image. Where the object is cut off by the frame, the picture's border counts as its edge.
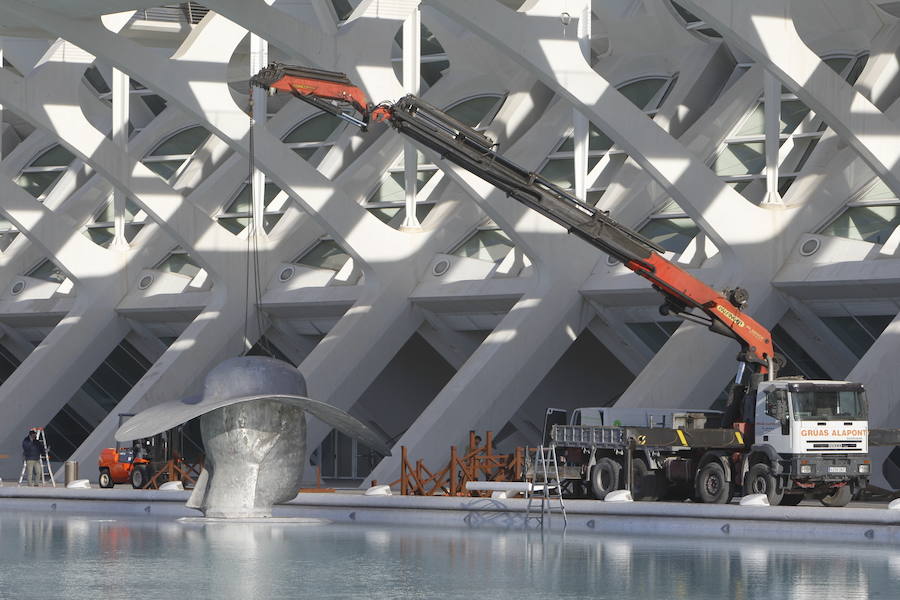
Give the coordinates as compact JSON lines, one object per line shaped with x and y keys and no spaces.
{"x":683,"y":294}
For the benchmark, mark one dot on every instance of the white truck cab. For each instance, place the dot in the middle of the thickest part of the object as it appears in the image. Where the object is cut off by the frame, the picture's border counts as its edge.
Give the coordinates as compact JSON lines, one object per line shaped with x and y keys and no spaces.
{"x":818,"y":429}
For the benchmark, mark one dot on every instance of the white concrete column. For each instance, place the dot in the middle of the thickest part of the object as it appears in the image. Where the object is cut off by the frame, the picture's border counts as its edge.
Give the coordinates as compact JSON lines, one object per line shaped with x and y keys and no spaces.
{"x":580,"y":122}
{"x":772,"y":112}
{"x":259,"y":58}
{"x":120,"y":117}
{"x":412,"y":58}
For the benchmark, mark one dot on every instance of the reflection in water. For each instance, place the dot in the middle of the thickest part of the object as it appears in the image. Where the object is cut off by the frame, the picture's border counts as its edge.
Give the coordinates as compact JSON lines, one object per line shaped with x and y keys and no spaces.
{"x":92,"y":558}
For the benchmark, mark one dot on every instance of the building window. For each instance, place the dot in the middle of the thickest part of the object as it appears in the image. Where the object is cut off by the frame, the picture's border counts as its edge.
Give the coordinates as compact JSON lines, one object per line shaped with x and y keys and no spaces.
{"x":325,"y":254}
{"x":654,"y":334}
{"x":487,"y":243}
{"x":46,"y":270}
{"x":104,"y":389}
{"x":236,"y":216}
{"x":648,"y":94}
{"x":476,"y":112}
{"x":694,"y":23}
{"x":180,"y":262}
{"x":168,"y":158}
{"x":102,"y":229}
{"x":42,"y":173}
{"x":388,"y":202}
{"x":312,"y":138}
{"x":871,"y":217}
{"x":433,"y":58}
{"x":858,"y":332}
{"x":7,"y":234}
{"x":741,"y":161}
{"x":343,"y":457}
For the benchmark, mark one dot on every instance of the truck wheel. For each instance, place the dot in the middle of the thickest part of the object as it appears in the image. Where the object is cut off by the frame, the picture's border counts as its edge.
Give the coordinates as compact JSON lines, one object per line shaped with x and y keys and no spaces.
{"x":138,"y":478}
{"x":839,"y":497}
{"x":644,"y":482}
{"x":760,"y":480}
{"x":712,"y":486}
{"x":605,"y":477}
{"x":792,"y":499}
{"x":105,"y":480}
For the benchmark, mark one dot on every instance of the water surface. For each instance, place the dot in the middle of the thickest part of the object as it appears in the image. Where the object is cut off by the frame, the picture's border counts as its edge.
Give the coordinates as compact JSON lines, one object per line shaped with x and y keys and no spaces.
{"x":89,"y":557}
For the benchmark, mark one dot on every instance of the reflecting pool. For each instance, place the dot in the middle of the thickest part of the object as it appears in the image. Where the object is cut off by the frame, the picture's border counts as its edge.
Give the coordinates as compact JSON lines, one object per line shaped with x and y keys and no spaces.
{"x":67,"y":556}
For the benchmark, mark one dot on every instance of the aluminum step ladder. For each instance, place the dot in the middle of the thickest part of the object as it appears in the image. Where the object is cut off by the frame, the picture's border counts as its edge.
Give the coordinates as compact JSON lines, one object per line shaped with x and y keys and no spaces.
{"x":545,"y":488}
{"x":44,"y":460}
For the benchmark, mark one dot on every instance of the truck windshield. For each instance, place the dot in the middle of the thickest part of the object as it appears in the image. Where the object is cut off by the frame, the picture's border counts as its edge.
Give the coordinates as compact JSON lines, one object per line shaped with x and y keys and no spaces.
{"x":824,"y":405}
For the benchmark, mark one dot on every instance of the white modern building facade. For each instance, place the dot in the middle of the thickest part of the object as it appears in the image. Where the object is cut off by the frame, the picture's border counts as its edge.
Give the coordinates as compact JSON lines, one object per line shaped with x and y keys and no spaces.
{"x":756,"y":141}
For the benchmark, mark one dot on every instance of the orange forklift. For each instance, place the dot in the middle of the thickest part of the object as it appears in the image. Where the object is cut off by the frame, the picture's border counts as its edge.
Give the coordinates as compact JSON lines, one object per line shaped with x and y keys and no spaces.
{"x":143,"y":462}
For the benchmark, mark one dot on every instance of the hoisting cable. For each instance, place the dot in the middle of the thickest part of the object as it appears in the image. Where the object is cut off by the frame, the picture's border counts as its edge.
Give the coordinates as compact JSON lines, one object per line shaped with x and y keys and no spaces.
{"x":254,"y":230}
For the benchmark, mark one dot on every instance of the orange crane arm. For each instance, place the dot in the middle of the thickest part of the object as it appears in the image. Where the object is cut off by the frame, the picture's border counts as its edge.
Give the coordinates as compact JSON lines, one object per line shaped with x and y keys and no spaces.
{"x":684,"y":294}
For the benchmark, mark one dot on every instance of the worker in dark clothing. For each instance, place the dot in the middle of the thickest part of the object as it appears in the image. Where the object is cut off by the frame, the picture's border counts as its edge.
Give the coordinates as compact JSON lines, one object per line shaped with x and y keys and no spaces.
{"x":32,"y":450}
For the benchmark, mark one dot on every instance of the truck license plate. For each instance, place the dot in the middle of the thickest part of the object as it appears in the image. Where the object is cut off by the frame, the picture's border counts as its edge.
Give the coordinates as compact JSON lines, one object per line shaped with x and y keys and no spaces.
{"x":837,"y":469}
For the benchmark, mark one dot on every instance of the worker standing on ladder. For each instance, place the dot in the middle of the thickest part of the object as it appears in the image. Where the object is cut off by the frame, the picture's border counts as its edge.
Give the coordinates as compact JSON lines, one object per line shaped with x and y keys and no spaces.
{"x":32,"y":448}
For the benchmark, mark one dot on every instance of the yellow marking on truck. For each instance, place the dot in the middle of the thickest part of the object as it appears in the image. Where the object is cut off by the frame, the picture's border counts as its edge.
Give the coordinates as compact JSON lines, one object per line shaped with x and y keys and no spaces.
{"x":681,"y":437}
{"x":739,"y":437}
{"x":642,"y":440}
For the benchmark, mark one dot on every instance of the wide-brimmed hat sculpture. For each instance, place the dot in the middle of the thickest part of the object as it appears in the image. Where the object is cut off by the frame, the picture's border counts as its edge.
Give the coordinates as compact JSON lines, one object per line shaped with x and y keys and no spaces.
{"x":253,"y":422}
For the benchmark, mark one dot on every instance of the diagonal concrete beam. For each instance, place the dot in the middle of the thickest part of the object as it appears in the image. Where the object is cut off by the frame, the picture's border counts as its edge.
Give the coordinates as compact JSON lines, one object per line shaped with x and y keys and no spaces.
{"x":764,"y":29}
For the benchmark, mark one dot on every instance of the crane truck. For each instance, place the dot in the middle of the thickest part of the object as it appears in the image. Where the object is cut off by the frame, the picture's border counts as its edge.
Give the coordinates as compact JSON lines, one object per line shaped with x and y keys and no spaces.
{"x":780,"y":437}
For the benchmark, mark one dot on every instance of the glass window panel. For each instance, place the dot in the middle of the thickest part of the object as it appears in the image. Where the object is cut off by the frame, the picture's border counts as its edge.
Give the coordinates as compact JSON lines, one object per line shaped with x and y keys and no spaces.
{"x":327,"y":254}
{"x":164,"y":168}
{"x":183,"y":142}
{"x":867,"y":223}
{"x":37,"y":183}
{"x":304,"y":153}
{"x":875,"y":324}
{"x":642,"y":92}
{"x":474,"y":110}
{"x":344,"y":455}
{"x":392,"y":189}
{"x":234,"y":224}
{"x":784,"y":184}
{"x":672,"y":234}
{"x":326,"y":455}
{"x":491,"y":245}
{"x":179,"y":263}
{"x":746,"y":158}
{"x":685,"y":14}
{"x":316,"y":129}
{"x":48,"y":272}
{"x":670,"y":207}
{"x":429,"y":43}
{"x":792,"y":112}
{"x":877,"y":191}
{"x":6,"y":238}
{"x":837,"y":63}
{"x":857,"y":339}
{"x":597,"y":141}
{"x":343,"y":9}
{"x":857,"y":69}
{"x":431,"y":71}
{"x":560,"y":172}
{"x":107,"y":214}
{"x":651,"y":334}
{"x":102,"y":236}
{"x":798,"y":361}
{"x":93,"y":77}
{"x":593,"y":197}
{"x":57,"y":156}
{"x":155,"y":103}
{"x":385,"y":213}
{"x":755,"y":123}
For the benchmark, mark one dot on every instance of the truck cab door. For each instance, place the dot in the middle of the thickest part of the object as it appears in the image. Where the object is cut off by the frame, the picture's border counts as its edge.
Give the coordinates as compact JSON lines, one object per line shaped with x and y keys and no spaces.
{"x":772,"y":414}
